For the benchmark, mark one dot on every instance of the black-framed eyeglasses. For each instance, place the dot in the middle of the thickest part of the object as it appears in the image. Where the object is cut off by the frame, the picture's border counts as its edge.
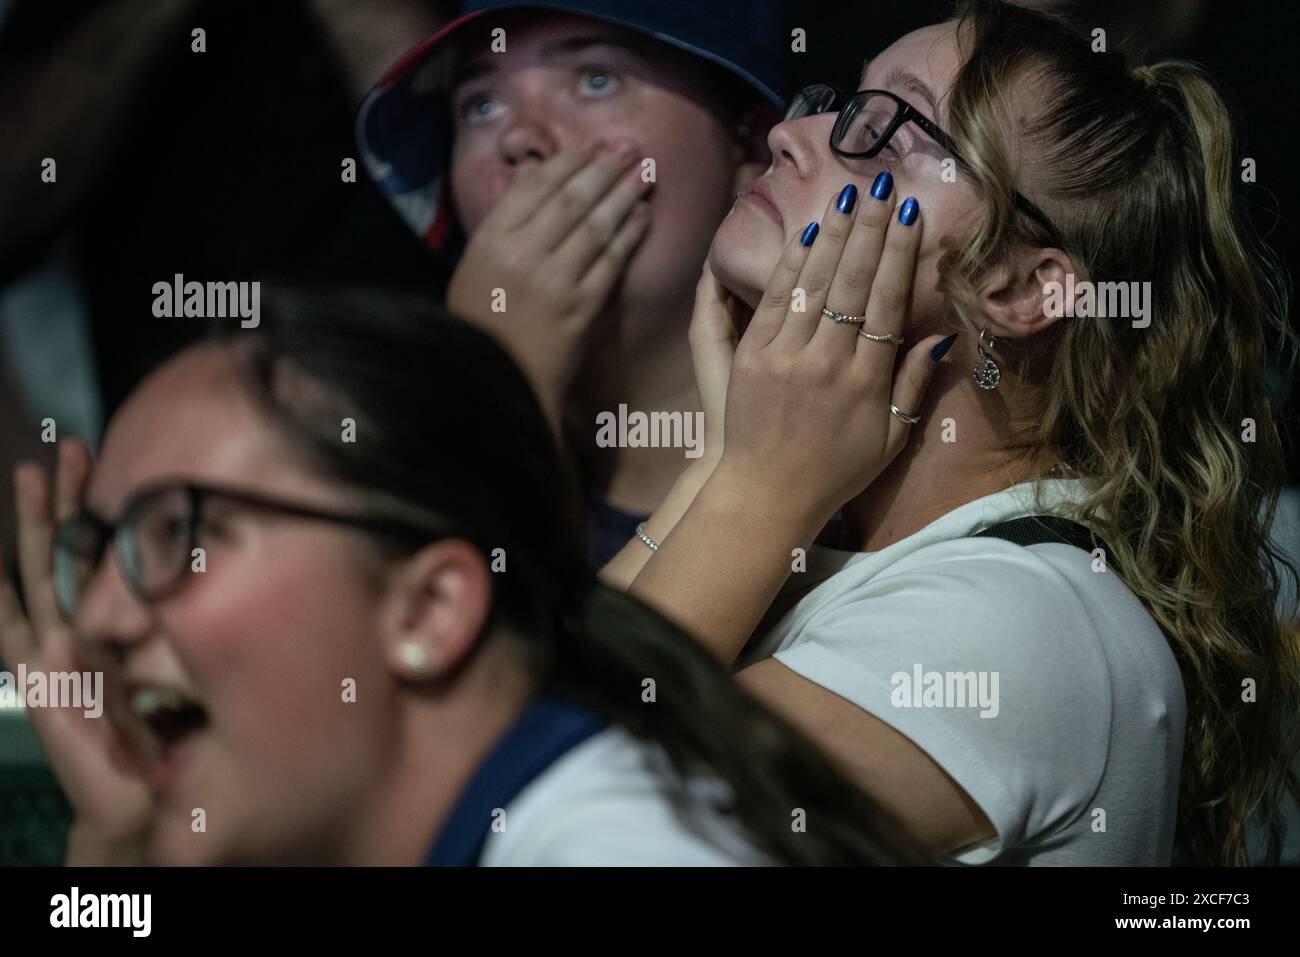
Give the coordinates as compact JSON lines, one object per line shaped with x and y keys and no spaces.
{"x":155,"y":538}
{"x":868,"y":120}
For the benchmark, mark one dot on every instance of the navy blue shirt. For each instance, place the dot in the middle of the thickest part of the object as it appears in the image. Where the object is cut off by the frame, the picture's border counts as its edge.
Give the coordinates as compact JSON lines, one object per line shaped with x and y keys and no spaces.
{"x":548,"y":729}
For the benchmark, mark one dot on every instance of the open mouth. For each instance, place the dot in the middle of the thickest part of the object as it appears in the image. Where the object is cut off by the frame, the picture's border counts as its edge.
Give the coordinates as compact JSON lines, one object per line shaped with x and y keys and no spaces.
{"x":172,"y":719}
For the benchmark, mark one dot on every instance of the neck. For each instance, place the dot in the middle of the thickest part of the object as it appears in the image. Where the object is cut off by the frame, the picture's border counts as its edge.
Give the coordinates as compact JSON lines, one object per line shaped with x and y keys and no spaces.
{"x":639,"y":356}
{"x":943,"y":466}
{"x":444,"y":738}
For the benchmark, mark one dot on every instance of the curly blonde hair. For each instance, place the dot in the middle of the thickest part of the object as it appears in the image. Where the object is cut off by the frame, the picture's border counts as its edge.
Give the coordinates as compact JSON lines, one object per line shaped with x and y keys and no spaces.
{"x":1137,"y":170}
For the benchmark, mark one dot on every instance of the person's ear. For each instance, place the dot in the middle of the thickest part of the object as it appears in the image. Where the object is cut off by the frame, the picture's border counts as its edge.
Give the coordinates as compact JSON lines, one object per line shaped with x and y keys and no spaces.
{"x":753,"y":155}
{"x":1027,"y":292}
{"x":434,"y":609}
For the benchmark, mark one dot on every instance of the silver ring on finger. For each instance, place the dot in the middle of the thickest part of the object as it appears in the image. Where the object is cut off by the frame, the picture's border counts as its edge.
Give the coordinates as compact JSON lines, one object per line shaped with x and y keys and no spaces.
{"x":909,"y":419}
{"x":834,"y":316}
{"x":896,"y":340}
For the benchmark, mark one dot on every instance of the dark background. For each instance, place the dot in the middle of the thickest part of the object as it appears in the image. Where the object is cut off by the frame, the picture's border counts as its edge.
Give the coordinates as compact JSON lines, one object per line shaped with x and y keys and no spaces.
{"x":228,"y":164}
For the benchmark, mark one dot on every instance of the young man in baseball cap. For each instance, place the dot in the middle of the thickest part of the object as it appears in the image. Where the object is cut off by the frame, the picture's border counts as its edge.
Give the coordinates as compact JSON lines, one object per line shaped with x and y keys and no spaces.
{"x":575,"y":159}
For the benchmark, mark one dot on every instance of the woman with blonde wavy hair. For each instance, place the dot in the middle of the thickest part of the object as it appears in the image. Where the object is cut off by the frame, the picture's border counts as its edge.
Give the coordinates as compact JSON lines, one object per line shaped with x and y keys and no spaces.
{"x":1038,"y":623}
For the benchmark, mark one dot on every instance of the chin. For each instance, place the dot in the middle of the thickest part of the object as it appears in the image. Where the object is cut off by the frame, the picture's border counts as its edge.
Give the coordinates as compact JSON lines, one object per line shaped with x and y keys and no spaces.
{"x":741,"y":260}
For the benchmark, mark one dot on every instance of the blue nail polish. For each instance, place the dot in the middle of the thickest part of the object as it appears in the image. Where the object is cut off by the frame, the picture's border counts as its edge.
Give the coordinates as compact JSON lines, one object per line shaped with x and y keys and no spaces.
{"x":883,"y":185}
{"x":939,"y":351}
{"x":809,"y":234}
{"x":848,"y":197}
{"x":909,"y":211}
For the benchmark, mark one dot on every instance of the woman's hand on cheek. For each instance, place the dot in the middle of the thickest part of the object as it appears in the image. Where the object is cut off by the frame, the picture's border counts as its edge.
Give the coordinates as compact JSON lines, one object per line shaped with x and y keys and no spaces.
{"x":808,"y":420}
{"x":111,"y":804}
{"x":544,"y":261}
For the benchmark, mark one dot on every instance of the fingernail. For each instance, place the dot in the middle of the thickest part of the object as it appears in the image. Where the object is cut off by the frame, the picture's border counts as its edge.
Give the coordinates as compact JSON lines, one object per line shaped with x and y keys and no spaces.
{"x":848,"y":197}
{"x":884,"y":183}
{"x":809,"y":234}
{"x":909,"y":211}
{"x":939,"y":351}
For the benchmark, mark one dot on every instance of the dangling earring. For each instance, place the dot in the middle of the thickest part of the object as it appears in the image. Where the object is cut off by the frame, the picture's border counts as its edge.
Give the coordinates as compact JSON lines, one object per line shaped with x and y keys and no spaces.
{"x":986,"y":373}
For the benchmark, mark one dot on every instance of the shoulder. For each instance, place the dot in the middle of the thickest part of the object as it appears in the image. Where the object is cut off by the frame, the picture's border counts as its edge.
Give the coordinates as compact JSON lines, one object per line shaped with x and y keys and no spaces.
{"x":1030,"y":619}
{"x":1006,"y":664}
{"x":1010,"y":597}
{"x":985,"y":598}
{"x":610,"y":802}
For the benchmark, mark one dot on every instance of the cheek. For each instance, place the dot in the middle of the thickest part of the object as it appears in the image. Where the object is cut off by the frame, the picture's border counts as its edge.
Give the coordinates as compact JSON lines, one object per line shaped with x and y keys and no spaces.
{"x":693,"y":165}
{"x":949,"y":214}
{"x":694,"y":188}
{"x":928,"y":304}
{"x":748,"y":243}
{"x":472,"y":194}
{"x":269,"y":643}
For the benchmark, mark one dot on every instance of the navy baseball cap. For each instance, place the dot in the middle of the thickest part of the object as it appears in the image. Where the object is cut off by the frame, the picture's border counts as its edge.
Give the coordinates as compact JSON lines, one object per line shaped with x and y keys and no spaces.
{"x":404,"y":125}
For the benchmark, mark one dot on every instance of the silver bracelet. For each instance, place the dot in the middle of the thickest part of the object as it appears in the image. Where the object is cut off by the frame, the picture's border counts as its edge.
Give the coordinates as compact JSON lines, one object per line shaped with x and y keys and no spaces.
{"x":640,"y":533}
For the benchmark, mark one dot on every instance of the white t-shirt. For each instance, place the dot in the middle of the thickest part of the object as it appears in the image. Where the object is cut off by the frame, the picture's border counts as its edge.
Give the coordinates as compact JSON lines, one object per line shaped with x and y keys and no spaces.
{"x":1076,"y":759}
{"x":605,"y":803}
